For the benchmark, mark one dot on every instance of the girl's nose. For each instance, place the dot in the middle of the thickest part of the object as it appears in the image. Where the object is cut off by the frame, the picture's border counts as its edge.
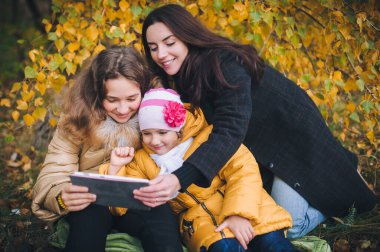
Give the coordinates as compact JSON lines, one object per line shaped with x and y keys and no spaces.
{"x":162,"y":53}
{"x":155,"y":140}
{"x":123,"y":108}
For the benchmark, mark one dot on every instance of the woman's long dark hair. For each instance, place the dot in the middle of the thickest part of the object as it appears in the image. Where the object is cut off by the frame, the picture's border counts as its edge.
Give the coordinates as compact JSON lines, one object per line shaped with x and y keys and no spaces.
{"x":202,"y":64}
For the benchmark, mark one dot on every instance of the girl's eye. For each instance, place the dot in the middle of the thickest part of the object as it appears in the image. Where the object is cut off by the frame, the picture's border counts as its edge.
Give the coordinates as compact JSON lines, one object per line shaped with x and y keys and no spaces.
{"x":145,"y":133}
{"x":131,"y":99}
{"x":111,"y":100}
{"x":153,"y":49}
{"x":163,"y":132}
{"x":170,"y":44}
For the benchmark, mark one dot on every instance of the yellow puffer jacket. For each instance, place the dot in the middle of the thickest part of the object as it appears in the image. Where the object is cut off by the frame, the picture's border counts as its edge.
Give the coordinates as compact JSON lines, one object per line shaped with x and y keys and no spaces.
{"x":236,"y":190}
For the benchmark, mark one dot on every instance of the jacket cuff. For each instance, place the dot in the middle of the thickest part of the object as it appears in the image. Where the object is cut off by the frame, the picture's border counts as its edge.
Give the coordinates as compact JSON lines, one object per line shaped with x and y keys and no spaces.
{"x":188,"y":175}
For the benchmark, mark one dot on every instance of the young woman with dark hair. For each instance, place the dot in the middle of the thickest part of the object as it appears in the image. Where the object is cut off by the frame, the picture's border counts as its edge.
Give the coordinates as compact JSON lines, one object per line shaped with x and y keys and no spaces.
{"x":100,"y":114}
{"x":307,"y":170}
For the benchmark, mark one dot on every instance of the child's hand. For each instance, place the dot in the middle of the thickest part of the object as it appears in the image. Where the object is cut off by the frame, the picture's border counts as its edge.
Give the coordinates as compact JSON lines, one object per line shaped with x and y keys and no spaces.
{"x":120,"y":156}
{"x":240,"y":227}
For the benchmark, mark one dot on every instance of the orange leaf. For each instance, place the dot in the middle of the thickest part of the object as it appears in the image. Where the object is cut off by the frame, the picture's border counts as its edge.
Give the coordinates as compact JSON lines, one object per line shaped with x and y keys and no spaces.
{"x":15,"y":115}
{"x":22,"y":105}
{"x":28,"y":119}
{"x":5,"y":102}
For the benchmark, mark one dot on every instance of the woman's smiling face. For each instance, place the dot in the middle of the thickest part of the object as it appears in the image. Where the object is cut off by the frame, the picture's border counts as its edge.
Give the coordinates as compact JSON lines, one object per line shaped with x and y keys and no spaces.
{"x":166,"y":50}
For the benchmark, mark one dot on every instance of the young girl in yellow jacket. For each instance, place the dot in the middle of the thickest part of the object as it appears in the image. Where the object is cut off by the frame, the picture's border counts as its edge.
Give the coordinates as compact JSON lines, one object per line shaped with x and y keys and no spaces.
{"x":234,"y":213}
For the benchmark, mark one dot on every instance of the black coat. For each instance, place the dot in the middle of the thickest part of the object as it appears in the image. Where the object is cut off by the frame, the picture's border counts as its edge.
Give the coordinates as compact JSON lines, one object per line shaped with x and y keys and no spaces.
{"x":287,"y":135}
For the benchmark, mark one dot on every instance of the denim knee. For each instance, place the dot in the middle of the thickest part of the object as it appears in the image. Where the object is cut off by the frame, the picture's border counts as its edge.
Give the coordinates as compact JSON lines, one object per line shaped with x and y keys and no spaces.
{"x":225,"y":245}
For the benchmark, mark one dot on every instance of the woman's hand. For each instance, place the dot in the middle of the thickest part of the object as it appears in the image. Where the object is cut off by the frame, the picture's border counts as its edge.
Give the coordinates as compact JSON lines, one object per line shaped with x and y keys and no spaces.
{"x":76,"y":198}
{"x":160,"y":190}
{"x":120,"y":156}
{"x":240,"y":227}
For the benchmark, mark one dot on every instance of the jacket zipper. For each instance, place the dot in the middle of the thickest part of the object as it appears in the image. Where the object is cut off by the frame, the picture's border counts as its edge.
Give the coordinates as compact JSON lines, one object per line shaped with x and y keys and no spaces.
{"x":206,"y":210}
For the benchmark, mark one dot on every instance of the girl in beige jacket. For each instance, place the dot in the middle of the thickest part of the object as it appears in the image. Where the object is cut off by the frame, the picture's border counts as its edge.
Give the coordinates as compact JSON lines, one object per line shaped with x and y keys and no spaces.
{"x":99,"y":114}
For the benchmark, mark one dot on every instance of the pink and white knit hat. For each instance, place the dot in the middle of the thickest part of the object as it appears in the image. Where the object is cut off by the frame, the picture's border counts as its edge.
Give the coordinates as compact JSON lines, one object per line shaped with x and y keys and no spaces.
{"x":161,"y":109}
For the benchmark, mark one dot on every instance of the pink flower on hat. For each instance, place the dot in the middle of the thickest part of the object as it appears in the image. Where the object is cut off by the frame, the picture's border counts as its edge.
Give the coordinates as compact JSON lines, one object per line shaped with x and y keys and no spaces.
{"x":174,"y":113}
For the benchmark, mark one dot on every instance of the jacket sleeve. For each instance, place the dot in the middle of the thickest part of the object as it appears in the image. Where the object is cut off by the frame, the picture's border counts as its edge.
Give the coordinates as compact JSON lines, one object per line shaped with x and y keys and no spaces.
{"x":61,"y":159}
{"x":231,"y":117}
{"x":243,"y":190}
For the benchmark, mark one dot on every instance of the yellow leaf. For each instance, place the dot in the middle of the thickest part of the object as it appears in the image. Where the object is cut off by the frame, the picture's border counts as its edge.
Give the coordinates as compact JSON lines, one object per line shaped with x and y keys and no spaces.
{"x":40,"y":87}
{"x":67,"y":27}
{"x":15,"y":87}
{"x":38,"y":102}
{"x":79,"y":7}
{"x":350,"y":85}
{"x":371,"y":136}
{"x":202,"y":3}
{"x":98,"y":49}
{"x":83,"y":24}
{"x":123,"y":5}
{"x":32,"y":55}
{"x":342,"y":136}
{"x":59,"y":30}
{"x":351,"y":107}
{"x":39,"y":113}
{"x":5,"y":102}
{"x":59,"y":43}
{"x":15,"y":115}
{"x":92,"y":33}
{"x":28,"y":119}
{"x":53,"y":122}
{"x":193,"y":9}
{"x":239,"y":7}
{"x":72,"y":47}
{"x":69,"y":56}
{"x":337,"y":76}
{"x":22,"y":105}
{"x":41,"y":77}
{"x":48,"y":27}
{"x":57,"y":82}
{"x":320,"y":64}
{"x":27,"y":96}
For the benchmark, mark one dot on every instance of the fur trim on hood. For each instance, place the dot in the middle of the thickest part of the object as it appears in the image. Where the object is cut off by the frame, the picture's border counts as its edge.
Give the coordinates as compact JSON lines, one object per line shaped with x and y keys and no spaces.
{"x":113,"y":134}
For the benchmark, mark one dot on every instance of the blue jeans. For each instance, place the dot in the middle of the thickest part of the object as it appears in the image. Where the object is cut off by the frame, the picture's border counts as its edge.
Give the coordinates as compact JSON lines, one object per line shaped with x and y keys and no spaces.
{"x":305,"y":217}
{"x":224,"y":245}
{"x":270,"y":242}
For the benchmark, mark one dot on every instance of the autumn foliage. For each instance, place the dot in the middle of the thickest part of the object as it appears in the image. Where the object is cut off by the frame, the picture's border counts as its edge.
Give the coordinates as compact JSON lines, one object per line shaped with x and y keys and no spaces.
{"x":329,"y":48}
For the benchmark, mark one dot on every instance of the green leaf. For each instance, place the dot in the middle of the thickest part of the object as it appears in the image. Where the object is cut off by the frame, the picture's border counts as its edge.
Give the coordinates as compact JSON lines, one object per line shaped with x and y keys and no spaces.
{"x":9,"y":138}
{"x":136,"y":11}
{"x":30,"y":72}
{"x":328,"y":85}
{"x":56,"y":62}
{"x":218,"y":5}
{"x":98,"y":18}
{"x":320,"y":96}
{"x":367,"y":106}
{"x":118,"y":33}
{"x":255,"y":17}
{"x":306,"y":78}
{"x":52,"y":36}
{"x":354,"y":117}
{"x":360,"y":84}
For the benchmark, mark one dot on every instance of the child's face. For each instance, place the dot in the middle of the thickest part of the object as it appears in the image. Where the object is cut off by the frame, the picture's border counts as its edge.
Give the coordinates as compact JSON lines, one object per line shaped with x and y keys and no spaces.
{"x":159,"y":140}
